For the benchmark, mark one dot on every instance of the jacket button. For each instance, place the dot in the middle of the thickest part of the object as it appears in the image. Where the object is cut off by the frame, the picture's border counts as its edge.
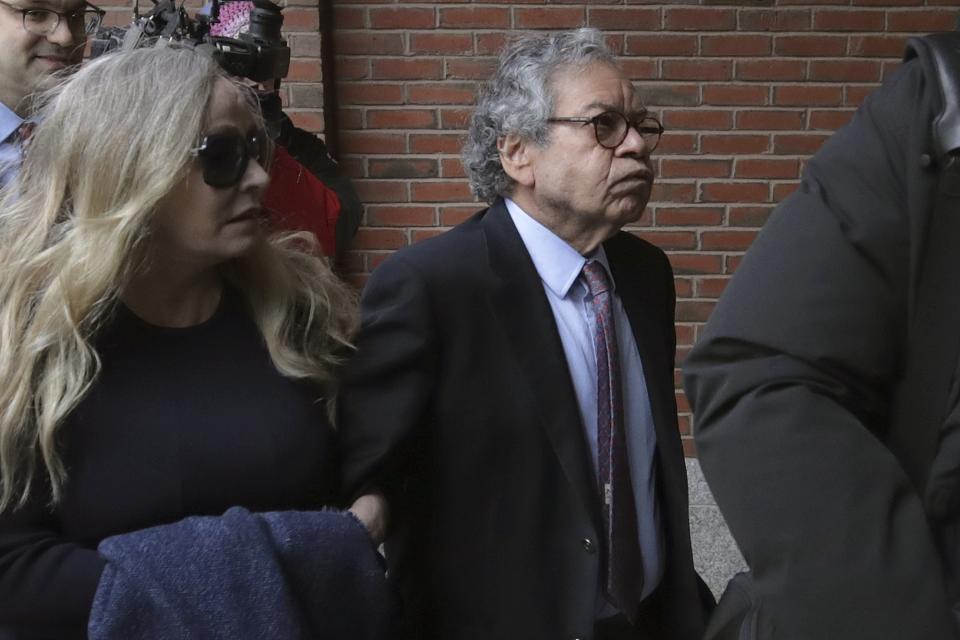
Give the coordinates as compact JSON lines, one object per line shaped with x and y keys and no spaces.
{"x":588,"y":545}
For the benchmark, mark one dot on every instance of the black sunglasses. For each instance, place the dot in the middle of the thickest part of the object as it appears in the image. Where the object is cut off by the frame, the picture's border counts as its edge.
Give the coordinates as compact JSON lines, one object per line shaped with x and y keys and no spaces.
{"x":611,"y":128}
{"x":225,"y":155}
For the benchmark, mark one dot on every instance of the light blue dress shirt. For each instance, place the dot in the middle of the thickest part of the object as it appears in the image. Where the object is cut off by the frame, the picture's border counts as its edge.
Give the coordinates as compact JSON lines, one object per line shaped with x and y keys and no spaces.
{"x":559,"y":266}
{"x":9,"y":149}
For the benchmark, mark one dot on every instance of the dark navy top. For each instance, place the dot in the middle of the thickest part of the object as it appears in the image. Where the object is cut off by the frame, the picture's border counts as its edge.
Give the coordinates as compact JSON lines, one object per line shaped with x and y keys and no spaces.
{"x":180,"y":422}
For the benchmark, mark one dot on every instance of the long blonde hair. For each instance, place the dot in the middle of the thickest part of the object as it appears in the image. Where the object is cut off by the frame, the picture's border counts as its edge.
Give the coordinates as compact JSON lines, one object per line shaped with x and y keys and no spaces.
{"x":113,"y":140}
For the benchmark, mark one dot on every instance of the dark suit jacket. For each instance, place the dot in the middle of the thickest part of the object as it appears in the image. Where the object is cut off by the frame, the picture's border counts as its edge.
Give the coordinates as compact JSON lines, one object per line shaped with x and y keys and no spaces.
{"x":816,"y":417}
{"x":460,"y":401}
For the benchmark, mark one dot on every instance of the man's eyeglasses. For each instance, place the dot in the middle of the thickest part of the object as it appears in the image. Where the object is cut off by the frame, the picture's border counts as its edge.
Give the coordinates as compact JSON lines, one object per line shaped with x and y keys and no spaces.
{"x":225,"y":155}
{"x":43,"y":22}
{"x":611,"y":128}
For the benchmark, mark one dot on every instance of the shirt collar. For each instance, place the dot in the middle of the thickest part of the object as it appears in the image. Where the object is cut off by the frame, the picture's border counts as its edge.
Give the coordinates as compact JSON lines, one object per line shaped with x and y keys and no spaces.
{"x":9,"y":122}
{"x":558,"y":264}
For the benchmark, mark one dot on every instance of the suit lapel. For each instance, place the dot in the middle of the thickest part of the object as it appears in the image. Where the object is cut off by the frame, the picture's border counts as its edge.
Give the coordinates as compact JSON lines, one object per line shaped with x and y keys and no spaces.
{"x":527,"y":320}
{"x":636,"y":289}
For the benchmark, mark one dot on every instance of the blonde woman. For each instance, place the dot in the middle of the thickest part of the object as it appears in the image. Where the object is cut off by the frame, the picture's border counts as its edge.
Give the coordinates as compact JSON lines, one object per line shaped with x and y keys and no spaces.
{"x":161,"y":356}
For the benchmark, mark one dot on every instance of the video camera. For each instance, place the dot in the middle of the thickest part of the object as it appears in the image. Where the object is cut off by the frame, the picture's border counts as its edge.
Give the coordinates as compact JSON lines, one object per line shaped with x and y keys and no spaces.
{"x":259,"y":54}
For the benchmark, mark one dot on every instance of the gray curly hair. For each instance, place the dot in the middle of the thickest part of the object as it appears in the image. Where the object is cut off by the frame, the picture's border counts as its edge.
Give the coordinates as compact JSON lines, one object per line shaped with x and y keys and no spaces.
{"x":518,"y":99}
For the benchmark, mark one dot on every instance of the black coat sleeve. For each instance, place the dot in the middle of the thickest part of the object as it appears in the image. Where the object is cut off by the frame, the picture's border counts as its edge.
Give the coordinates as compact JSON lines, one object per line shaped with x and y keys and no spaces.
{"x":791,"y":387}
{"x":46,"y":582}
{"x":389,"y":381}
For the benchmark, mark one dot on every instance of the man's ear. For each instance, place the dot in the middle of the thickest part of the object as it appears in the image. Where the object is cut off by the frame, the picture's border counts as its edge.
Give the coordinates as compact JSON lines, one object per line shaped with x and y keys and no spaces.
{"x":516,"y":158}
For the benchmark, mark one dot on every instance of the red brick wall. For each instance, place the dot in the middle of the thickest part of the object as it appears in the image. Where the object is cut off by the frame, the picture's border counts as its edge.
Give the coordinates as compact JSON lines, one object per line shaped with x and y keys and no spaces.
{"x":746,"y":90}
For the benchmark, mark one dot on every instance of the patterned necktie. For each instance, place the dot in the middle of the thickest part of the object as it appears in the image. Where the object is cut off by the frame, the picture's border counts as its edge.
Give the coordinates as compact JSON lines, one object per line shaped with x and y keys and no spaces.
{"x":623,"y":566}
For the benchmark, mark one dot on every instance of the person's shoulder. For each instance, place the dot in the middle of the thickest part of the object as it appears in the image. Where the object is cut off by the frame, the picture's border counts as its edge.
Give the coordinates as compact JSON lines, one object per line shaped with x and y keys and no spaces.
{"x":447,"y":250}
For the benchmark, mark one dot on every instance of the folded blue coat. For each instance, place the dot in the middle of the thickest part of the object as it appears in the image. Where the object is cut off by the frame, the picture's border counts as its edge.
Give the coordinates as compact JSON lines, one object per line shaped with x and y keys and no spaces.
{"x":286,"y":575}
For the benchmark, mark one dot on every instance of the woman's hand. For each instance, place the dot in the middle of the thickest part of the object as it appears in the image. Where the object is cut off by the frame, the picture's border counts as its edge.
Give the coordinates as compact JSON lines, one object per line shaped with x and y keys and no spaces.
{"x":371,"y":509}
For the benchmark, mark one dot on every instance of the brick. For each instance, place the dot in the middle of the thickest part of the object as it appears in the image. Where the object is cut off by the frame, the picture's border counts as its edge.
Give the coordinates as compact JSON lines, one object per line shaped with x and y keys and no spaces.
{"x":402,"y":119}
{"x":447,"y":191}
{"x":767,"y":119}
{"x":854,"y":96}
{"x":348,"y":17}
{"x":419,"y":235}
{"x":379,"y":239}
{"x":784,"y":189}
{"x":402,"y":18}
{"x":306,"y":95}
{"x":627,"y":18}
{"x":699,"y":119}
{"x":710,"y":287}
{"x":364,"y":93}
{"x":774,"y":20}
{"x":372,"y":142}
{"x":455,"y":118}
{"x":301,"y":19}
{"x":367,"y":43}
{"x":677,"y":143}
{"x":639,"y":68}
{"x":352,"y":68}
{"x":350,"y":118}
{"x":548,"y":17}
{"x":407,"y":69}
{"x":671,"y":95}
{"x":765,"y":70}
{"x":887,"y":3}
{"x":445,"y":93}
{"x":815,"y":46}
{"x":767,"y":168}
{"x":371,"y":191}
{"x":734,"y":192}
{"x":697,"y":70}
{"x":693,"y":310}
{"x":403,"y":168}
{"x":450,"y":216}
{"x":650,"y":44}
{"x":735,"y":144}
{"x":441,"y":43}
{"x":435,"y":143}
{"x":830,"y":120}
{"x":472,"y":69}
{"x":685,"y":332}
{"x":749,"y":216}
{"x":452,"y":168}
{"x":304,"y":70}
{"x":844,"y":71}
{"x":914,"y":22}
{"x":798,"y":144}
{"x":736,"y":45}
{"x":490,"y":43}
{"x":877,"y":46}
{"x":672,"y":239}
{"x":847,"y":20}
{"x":684,"y":289}
{"x":673,"y":192}
{"x":475,"y":17}
{"x":303,"y":45}
{"x":394,"y":216}
{"x":696,"y":19}
{"x":694,"y":168}
{"x":736,"y":94}
{"x":730,"y":263}
{"x":309,"y":120}
{"x":688,"y":216}
{"x":808,"y":95}
{"x":695,"y":263}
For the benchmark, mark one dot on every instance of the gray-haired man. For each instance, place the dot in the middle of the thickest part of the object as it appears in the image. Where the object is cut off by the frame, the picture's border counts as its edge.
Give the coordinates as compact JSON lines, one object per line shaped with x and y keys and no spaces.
{"x":513,"y":388}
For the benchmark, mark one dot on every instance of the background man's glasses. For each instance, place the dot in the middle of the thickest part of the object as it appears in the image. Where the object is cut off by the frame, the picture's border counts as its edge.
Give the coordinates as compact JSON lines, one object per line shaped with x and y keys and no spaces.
{"x":611,"y":128}
{"x":225,"y":156}
{"x":43,"y":22}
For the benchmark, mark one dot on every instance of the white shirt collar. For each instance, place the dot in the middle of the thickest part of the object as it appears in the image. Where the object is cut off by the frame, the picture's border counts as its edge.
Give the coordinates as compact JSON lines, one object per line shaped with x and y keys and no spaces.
{"x":558,"y":264}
